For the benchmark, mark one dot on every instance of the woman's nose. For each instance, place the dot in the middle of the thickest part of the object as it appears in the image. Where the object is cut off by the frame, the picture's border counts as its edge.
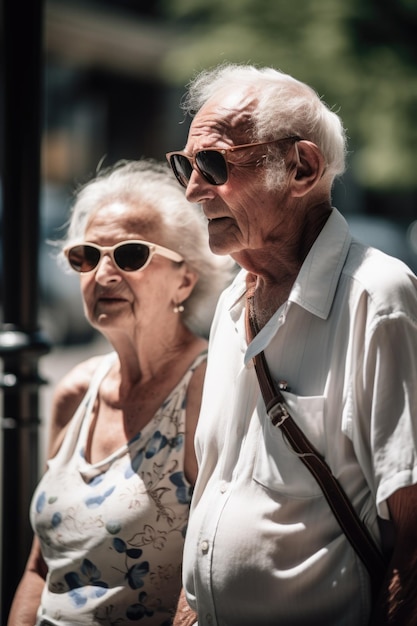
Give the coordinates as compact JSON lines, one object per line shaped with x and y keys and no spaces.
{"x":107,"y":271}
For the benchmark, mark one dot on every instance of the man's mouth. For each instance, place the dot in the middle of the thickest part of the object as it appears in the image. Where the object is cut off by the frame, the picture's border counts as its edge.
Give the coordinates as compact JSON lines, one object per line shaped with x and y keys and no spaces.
{"x":216,"y":219}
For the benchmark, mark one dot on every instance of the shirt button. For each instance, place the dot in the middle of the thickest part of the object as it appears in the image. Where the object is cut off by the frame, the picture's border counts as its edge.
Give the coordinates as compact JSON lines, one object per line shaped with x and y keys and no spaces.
{"x":223,"y":486}
{"x":204,"y":546}
{"x":250,"y":364}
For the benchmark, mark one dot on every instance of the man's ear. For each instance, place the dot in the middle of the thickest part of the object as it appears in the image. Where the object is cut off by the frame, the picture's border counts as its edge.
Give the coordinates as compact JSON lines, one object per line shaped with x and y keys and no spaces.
{"x":308,"y":168}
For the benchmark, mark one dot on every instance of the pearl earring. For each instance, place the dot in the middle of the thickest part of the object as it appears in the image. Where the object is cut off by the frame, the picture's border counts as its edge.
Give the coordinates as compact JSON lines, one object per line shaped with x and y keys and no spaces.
{"x":178,"y":308}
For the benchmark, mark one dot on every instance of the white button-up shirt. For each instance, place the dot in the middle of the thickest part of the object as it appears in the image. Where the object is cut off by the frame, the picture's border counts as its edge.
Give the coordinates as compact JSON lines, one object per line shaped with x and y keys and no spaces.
{"x":262,"y":546}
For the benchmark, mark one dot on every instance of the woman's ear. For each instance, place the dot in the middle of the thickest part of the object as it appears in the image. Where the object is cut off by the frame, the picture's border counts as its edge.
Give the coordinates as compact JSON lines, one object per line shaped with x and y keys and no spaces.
{"x":308,"y":168}
{"x":186,"y":284}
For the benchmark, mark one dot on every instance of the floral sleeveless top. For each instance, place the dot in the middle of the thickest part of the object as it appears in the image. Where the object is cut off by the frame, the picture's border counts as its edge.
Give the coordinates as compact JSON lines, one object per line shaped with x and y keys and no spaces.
{"x":112,"y":533}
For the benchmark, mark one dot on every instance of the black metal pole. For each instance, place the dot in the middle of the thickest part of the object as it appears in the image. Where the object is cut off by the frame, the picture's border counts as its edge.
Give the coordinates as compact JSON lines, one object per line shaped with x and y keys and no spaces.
{"x":21,"y":342}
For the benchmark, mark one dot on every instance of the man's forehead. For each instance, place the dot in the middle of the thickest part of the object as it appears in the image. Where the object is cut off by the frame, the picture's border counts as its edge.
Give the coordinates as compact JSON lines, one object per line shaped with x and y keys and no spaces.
{"x":238,"y":100}
{"x":226,"y":112}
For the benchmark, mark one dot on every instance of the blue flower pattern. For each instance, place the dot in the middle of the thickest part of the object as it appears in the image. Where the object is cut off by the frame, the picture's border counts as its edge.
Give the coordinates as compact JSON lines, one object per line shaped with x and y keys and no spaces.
{"x":112,"y":534}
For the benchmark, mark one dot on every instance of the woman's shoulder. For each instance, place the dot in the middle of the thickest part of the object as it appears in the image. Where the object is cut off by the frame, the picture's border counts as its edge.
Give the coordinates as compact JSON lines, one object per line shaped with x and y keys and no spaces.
{"x":68,"y":394}
{"x":76,"y":382}
{"x":197,"y":369}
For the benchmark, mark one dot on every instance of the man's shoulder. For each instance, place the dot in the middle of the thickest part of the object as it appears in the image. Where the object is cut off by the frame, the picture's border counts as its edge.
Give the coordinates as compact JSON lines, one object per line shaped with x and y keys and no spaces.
{"x":383,"y":277}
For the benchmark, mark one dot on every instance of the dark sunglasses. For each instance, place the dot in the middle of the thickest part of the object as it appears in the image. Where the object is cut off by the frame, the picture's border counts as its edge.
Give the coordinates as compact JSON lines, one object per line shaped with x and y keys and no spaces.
{"x":128,"y":256}
{"x":212,"y":163}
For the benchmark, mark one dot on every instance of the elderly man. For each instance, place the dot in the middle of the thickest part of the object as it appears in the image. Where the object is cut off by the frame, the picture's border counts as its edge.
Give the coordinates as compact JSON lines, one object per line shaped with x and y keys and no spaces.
{"x":337,"y":322}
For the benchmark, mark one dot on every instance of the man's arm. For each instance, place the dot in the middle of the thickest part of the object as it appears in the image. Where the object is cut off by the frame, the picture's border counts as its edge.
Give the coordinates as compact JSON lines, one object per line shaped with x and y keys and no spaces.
{"x":397,"y":605}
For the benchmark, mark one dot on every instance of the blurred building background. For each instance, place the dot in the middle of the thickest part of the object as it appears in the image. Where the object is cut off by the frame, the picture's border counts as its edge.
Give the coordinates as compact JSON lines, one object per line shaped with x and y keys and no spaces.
{"x":114,"y":72}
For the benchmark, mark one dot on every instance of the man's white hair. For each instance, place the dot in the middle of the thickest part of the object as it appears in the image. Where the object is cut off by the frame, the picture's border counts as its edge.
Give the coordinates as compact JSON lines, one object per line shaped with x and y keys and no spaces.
{"x":285,"y":106}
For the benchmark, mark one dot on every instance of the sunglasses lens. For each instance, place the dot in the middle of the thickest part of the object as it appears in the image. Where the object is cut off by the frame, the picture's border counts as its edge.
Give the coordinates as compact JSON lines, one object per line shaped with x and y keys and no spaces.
{"x":212,"y":165}
{"x":131,"y":256}
{"x":83,"y":258}
{"x":182,"y":168}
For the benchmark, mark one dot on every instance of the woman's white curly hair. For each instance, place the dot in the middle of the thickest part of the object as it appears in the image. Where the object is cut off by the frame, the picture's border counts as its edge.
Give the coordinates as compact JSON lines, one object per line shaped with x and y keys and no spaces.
{"x":149,"y":183}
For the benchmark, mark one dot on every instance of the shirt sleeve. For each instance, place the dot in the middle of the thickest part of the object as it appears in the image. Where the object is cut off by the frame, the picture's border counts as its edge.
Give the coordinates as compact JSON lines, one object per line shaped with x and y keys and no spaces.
{"x":386,"y":398}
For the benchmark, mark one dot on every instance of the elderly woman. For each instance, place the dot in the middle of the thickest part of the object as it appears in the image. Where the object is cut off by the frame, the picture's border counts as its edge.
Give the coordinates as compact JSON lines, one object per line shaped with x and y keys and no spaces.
{"x":110,"y":513}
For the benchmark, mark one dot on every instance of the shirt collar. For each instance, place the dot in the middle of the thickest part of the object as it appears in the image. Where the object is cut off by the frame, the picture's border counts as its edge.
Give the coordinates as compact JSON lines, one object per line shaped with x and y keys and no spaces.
{"x":316,"y":283}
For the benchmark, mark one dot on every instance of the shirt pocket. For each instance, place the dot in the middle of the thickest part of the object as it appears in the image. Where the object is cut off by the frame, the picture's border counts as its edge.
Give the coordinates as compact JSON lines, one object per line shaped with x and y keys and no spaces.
{"x":277,"y":467}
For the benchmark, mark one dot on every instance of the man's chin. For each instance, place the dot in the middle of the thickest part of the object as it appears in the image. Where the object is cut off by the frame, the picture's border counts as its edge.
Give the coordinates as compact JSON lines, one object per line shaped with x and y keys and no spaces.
{"x":220,"y":240}
{"x":220,"y":247}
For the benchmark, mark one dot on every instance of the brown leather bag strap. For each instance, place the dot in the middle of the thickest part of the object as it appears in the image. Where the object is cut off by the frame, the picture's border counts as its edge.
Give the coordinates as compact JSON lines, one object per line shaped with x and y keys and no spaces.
{"x":353,"y":527}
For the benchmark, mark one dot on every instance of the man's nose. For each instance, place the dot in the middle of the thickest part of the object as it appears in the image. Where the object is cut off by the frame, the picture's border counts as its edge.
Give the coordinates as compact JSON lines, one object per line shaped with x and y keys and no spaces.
{"x":198,"y":189}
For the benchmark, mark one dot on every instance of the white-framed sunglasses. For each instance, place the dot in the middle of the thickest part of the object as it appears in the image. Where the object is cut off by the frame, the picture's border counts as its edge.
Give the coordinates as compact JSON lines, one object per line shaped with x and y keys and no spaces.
{"x":129,"y":256}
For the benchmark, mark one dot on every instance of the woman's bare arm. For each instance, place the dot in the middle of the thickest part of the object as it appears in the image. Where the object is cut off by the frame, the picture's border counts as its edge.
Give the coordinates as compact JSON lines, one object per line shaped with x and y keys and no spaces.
{"x":27,"y":597}
{"x":185,"y":616}
{"x":194,"y":394}
{"x":67,"y":396}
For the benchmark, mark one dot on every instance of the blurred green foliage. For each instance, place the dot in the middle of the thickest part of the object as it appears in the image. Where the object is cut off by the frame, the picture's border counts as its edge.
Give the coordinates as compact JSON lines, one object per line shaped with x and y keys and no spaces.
{"x":359,"y":55}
